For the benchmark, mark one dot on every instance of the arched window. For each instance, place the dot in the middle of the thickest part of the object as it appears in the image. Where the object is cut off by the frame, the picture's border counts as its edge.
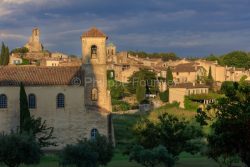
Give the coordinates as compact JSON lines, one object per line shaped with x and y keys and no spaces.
{"x":32,"y":101}
{"x":3,"y":101}
{"x":93,"y":51}
{"x":60,"y":100}
{"x":94,"y":133}
{"x":94,"y":94}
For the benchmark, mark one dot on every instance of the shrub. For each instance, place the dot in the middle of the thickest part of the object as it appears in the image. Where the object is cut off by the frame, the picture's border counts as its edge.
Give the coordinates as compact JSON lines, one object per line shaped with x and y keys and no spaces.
{"x":190,"y":105}
{"x":88,"y":153}
{"x":164,"y":96}
{"x":17,"y":149}
{"x":151,"y":157}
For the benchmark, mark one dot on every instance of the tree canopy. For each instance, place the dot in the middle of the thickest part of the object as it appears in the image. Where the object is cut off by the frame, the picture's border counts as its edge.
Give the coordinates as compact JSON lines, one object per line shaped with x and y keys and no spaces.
{"x":230,"y":123}
{"x":5,"y":55}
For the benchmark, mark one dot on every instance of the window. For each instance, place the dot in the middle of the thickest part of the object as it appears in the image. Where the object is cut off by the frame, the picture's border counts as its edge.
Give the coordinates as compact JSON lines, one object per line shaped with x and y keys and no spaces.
{"x":3,"y":101}
{"x":94,"y":133}
{"x":60,"y":100}
{"x":94,"y":94}
{"x":94,"y":52}
{"x":32,"y":101}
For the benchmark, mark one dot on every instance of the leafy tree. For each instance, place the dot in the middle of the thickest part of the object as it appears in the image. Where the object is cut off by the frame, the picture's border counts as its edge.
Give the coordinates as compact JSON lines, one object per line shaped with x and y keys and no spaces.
{"x":24,"y":110}
{"x":174,"y":134}
{"x":140,"y":88}
{"x":17,"y":149}
{"x":164,"y":96}
{"x":169,"y":76}
{"x":80,"y":155}
{"x":237,"y":59}
{"x":88,"y":153}
{"x":22,"y":50}
{"x":151,"y":157}
{"x":4,"y":56}
{"x":35,"y":126}
{"x":230,"y":126}
{"x":149,"y":77}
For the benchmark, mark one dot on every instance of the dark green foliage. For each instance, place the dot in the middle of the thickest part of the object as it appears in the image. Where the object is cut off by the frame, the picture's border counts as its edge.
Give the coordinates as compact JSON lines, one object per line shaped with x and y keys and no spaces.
{"x":20,"y":50}
{"x":164,"y":96}
{"x":151,"y":157}
{"x":24,"y":110}
{"x":190,"y":104}
{"x":150,"y":80}
{"x":87,"y":153}
{"x":119,"y":105}
{"x":80,"y":155}
{"x":116,"y":89}
{"x":141,"y":88}
{"x":230,"y":127}
{"x":163,"y":56}
{"x":174,"y":134}
{"x":17,"y":149}
{"x":237,"y":59}
{"x":4,"y":56}
{"x":169,"y":76}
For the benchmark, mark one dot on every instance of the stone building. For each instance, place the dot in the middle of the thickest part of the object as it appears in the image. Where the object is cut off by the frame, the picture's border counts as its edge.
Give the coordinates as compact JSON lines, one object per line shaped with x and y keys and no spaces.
{"x":34,"y":44}
{"x":178,"y":92}
{"x":74,"y":100}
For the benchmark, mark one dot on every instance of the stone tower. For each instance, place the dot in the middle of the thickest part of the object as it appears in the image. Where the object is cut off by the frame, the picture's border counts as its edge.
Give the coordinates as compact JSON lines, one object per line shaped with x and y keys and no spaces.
{"x":95,"y":70}
{"x":34,"y":44}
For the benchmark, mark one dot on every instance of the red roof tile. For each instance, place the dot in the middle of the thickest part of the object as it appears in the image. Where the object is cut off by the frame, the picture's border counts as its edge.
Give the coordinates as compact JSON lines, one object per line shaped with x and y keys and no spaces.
{"x":94,"y":32}
{"x":40,"y":76}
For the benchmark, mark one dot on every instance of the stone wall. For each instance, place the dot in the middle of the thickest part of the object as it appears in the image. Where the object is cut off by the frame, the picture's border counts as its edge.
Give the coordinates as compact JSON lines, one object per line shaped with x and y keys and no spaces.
{"x":71,"y":123}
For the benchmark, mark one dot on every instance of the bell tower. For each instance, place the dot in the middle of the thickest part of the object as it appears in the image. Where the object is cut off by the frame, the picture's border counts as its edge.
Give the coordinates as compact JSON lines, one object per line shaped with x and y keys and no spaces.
{"x":95,"y":70}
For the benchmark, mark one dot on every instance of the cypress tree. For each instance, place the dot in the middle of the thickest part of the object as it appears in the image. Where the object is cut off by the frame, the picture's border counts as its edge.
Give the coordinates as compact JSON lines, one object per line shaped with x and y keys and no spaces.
{"x":2,"y":54}
{"x":210,"y":77}
{"x":6,"y":56}
{"x":141,"y":88}
{"x":169,"y":77}
{"x":24,"y":110}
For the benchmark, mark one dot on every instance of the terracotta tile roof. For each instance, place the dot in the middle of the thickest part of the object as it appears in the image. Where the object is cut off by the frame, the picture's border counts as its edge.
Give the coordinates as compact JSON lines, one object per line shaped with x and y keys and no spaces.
{"x":94,"y":32}
{"x":189,"y":85}
{"x":189,"y":67}
{"x":40,"y":76}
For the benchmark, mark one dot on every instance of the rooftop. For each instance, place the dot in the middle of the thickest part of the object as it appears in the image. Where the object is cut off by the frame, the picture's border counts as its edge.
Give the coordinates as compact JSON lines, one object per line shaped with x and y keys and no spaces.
{"x":189,"y":85}
{"x":40,"y":76}
{"x":94,"y":32}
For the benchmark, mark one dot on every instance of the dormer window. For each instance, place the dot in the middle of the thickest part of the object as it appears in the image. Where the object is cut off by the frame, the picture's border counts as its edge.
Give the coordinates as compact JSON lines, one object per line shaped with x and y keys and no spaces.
{"x":93,"y":51}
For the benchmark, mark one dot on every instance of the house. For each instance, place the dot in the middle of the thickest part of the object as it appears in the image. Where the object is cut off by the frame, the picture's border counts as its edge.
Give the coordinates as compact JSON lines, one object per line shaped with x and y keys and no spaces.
{"x":178,"y":92}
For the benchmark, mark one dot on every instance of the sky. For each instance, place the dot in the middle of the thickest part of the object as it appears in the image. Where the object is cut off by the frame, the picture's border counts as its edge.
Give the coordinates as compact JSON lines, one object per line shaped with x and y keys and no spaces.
{"x":186,"y":27}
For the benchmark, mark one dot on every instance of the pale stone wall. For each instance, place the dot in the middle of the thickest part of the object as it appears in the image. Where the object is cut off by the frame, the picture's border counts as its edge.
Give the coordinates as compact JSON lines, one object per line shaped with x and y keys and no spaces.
{"x":71,"y":123}
{"x":52,"y":63}
{"x":183,"y":77}
{"x":178,"y":94}
{"x":15,"y":60}
{"x":96,"y":72}
{"x":34,"y":44}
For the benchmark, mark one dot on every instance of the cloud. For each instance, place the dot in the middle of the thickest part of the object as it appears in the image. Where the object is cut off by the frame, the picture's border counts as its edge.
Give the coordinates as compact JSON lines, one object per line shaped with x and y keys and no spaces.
{"x":7,"y":36}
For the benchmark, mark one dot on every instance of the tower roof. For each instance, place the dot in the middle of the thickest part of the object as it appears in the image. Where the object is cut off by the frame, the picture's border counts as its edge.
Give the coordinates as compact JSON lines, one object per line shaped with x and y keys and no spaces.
{"x":94,"y":32}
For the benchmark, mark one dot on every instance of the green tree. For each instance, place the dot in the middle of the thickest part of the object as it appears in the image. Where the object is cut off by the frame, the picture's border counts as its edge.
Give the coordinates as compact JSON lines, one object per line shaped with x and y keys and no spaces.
{"x":230,"y":126}
{"x":4,"y":56}
{"x":169,"y":77}
{"x":141,"y":88}
{"x":88,"y":153}
{"x":151,"y":157}
{"x":149,"y":77}
{"x":25,"y":117}
{"x":237,"y":59}
{"x":174,"y":134}
{"x":17,"y":149}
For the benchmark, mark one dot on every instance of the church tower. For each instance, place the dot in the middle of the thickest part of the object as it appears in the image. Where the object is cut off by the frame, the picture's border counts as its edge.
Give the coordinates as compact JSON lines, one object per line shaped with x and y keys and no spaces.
{"x":94,"y":58}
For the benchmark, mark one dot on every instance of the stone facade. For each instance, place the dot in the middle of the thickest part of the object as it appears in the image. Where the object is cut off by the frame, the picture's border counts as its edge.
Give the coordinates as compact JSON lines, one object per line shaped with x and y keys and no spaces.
{"x":83,"y":109}
{"x":34,"y":44}
{"x":178,"y":92}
